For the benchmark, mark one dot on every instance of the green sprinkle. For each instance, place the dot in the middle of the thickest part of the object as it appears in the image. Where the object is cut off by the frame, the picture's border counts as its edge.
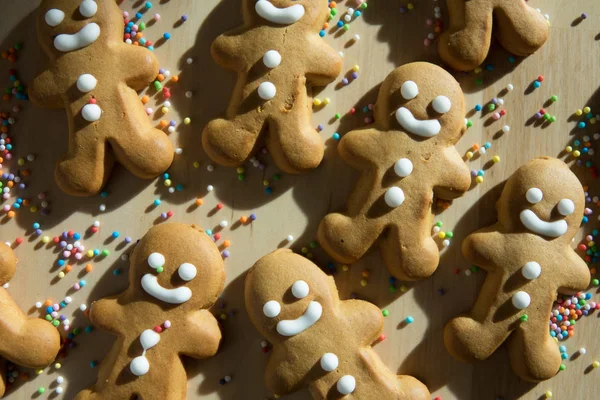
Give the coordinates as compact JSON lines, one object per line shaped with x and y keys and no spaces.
{"x":76,"y":331}
{"x":475,"y":268}
{"x":524,"y":318}
{"x":333,"y":11}
{"x":363,"y":5}
{"x":563,"y":367}
{"x":160,"y":269}
{"x":105,"y":252}
{"x":449,"y":235}
{"x":48,"y":317}
{"x":41,"y":390}
{"x":385,"y":312}
{"x":338,"y":116}
{"x":554,"y":98}
{"x":313,"y":244}
{"x":491,"y":107}
{"x":276,"y":177}
{"x":479,"y":81}
{"x":241,"y":177}
{"x":595,"y":282}
{"x":469,"y":123}
{"x":346,"y":27}
{"x":157,"y":85}
{"x":553,"y":119}
{"x":141,"y":26}
{"x":439,"y":224}
{"x":56,"y":322}
{"x":392,"y":289}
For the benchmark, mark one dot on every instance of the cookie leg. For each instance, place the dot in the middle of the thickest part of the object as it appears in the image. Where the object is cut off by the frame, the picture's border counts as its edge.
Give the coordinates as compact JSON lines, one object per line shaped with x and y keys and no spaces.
{"x":520,"y":29}
{"x":469,"y":340}
{"x":466,"y":43}
{"x":411,"y":388}
{"x":85,"y":168}
{"x":292,"y":141}
{"x":347,"y":239}
{"x":145,"y":154}
{"x":410,"y":254}
{"x":231,"y":143}
{"x":533,"y":353}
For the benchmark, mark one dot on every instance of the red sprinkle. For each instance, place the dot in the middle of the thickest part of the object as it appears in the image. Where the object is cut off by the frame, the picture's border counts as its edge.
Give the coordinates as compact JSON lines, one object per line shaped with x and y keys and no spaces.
{"x":219,"y":206}
{"x":158,"y":329}
{"x":19,"y":240}
{"x":169,"y":214}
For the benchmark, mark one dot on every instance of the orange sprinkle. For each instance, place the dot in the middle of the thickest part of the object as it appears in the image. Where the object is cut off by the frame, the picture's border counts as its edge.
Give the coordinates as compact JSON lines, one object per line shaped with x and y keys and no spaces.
{"x":10,"y":214}
{"x":145,"y":99}
{"x":89,"y":268}
{"x":226,"y":243}
{"x":136,"y":44}
{"x":163,"y":123}
{"x":160,"y":77}
{"x":175,"y":78}
{"x":48,"y":303}
{"x":333,"y":4}
{"x":243,"y":219}
{"x":475,"y":146}
{"x":68,"y":268}
{"x":139,"y":35}
{"x":199,"y":201}
{"x":10,"y":184}
{"x":25,"y":172}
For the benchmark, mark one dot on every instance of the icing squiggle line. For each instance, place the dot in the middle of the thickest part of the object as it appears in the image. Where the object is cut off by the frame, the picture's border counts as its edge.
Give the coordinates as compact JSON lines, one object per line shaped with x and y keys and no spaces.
{"x":427,"y":128}
{"x":281,"y":16}
{"x":536,"y":225}
{"x":86,"y":36}
{"x":140,"y":366}
{"x":292,"y":327}
{"x":172,"y":296}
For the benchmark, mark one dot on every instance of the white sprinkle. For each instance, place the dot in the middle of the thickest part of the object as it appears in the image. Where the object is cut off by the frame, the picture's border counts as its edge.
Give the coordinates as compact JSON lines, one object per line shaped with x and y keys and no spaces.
{"x":210,"y":188}
{"x":506,"y":128}
{"x":290,"y":238}
{"x":38,"y":305}
{"x":189,"y":94}
{"x":189,"y":60}
{"x":178,"y":150}
{"x":102,"y":207}
{"x":210,"y":168}
{"x":82,"y":307}
{"x":60,"y":380}
{"x":223,"y":224}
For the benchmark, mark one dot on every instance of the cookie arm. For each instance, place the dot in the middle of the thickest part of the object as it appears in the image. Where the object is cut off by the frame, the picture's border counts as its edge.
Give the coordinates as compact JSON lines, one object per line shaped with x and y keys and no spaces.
{"x":363,"y":319}
{"x":483,"y":247}
{"x":286,"y":372}
{"x":146,"y":66}
{"x":45,"y":91}
{"x":575,"y":275}
{"x":202,"y":337}
{"x":324,"y":64}
{"x":228,"y":51}
{"x":454,"y":177}
{"x":105,"y":313}
{"x":357,"y":146}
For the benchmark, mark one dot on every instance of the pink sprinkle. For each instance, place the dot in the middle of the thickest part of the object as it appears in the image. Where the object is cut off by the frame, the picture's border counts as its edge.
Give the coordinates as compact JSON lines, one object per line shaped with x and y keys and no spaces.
{"x":496,"y":116}
{"x":156,"y":17}
{"x":125,"y":14}
{"x":76,"y":286}
{"x":587,"y":211}
{"x":427,"y":42}
{"x":167,"y":324}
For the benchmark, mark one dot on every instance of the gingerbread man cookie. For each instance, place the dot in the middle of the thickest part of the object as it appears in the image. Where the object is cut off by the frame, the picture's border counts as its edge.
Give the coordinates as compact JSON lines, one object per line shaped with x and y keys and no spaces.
{"x":278,"y":56}
{"x":30,"y":342}
{"x":520,"y":29}
{"x":95,"y":76}
{"x":528,"y":258}
{"x":176,"y":273}
{"x":407,"y":159}
{"x":318,"y":340}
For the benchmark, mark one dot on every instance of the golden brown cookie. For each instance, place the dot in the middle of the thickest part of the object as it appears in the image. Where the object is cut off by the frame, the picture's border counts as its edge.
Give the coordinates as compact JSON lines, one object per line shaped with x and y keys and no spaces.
{"x":528,"y":258}
{"x":176,"y":273}
{"x":407,"y":159}
{"x":278,"y":56}
{"x":29,"y":342}
{"x":95,"y":76}
{"x":319,"y":341}
{"x":520,"y":29}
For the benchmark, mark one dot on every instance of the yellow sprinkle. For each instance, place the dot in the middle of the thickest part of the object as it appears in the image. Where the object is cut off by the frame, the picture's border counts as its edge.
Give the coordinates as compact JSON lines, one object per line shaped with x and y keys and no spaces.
{"x":45,"y":239}
{"x":356,"y":68}
{"x":403,"y":289}
{"x":593,"y":121}
{"x":327,"y":101}
{"x":304,"y":250}
{"x":496,"y":159}
{"x":196,"y":164}
{"x":309,"y":255}
{"x":167,"y":182}
{"x":187,"y":121}
{"x":223,"y":316}
{"x":164,"y":110}
{"x":240,"y":170}
{"x":61,"y":274}
{"x":442,"y":234}
{"x":345,"y":268}
{"x":39,"y":371}
{"x":469,"y":154}
{"x":568,"y":149}
{"x":578,"y":112}
{"x":90,"y":253}
{"x":548,"y":394}
{"x":21,"y":161}
{"x":576,"y":153}
{"x":477,"y":70}
{"x":590,"y":244}
{"x":265,"y":183}
{"x":363,"y":282}
{"x":586,"y":109}
{"x":479,"y":179}
{"x":596,"y":364}
{"x":33,"y":209}
{"x":317,"y":102}
{"x":57,"y":365}
{"x":410,"y":6}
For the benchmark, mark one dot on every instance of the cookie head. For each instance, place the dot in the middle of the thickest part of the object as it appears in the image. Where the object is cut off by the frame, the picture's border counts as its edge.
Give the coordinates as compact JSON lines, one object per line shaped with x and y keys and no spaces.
{"x":65,"y":26}
{"x":8,"y":263}
{"x":286,"y":12}
{"x":177,"y":265}
{"x":424,"y":101}
{"x":542,"y":197}
{"x":286,"y":295}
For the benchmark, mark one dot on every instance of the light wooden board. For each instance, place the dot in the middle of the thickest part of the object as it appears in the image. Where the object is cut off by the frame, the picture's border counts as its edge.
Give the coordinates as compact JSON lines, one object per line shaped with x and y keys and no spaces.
{"x":569,"y":63}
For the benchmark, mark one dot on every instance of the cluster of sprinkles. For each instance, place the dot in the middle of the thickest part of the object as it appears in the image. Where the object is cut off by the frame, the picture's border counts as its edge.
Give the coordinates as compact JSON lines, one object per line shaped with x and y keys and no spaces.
{"x":346,"y":18}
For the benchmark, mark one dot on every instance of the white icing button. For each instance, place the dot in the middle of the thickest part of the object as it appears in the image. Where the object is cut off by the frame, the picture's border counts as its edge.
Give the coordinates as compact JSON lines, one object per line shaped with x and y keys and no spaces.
{"x":329,"y":362}
{"x":534,"y":195}
{"x":267,"y":91}
{"x":521,"y":300}
{"x":409,"y":90}
{"x":139,"y":366}
{"x":441,"y":104}
{"x":271,"y":309}
{"x":86,"y":83}
{"x":300,"y":289}
{"x":346,"y":384}
{"x":394,"y":197}
{"x":88,"y":8}
{"x":187,"y":271}
{"x":403,"y":167}
{"x":272,"y":59}
{"x":54,"y":17}
{"x":91,"y":112}
{"x":531,"y":270}
{"x":149,"y":339}
{"x":566,"y":207}
{"x":156,"y":260}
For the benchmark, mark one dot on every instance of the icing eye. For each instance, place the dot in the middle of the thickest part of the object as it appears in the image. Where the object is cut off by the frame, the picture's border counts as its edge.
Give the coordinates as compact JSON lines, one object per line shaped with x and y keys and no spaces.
{"x":409,"y":90}
{"x":441,"y":104}
{"x":88,"y":8}
{"x":156,"y":260}
{"x":300,"y":289}
{"x":54,"y":17}
{"x":271,"y":309}
{"x":187,"y":271}
{"x":566,"y":207}
{"x":534,"y":195}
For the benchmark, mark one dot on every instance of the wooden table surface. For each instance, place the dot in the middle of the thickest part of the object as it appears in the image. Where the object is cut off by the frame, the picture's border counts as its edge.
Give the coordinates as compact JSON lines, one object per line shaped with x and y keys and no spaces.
{"x":388,"y":38}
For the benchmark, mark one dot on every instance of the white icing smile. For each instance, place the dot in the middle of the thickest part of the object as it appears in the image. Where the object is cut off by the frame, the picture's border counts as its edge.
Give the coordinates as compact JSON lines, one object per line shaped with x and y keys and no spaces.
{"x":281,"y":16}
{"x":536,"y":225}
{"x":427,"y":128}
{"x":172,"y":296}
{"x":86,"y":36}
{"x":292,"y":327}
